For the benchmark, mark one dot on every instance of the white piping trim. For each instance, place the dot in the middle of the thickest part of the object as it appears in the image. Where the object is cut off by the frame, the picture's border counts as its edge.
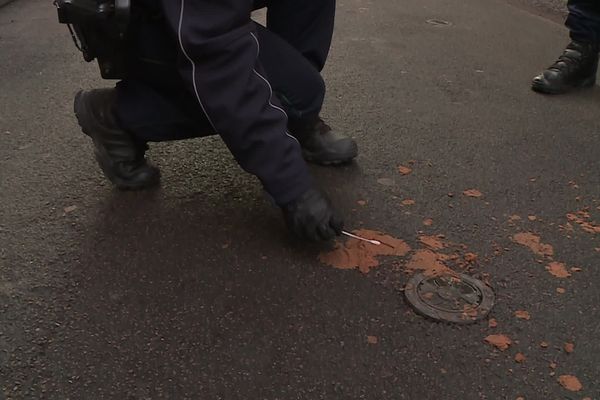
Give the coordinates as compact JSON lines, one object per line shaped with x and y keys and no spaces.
{"x":271,"y":90}
{"x":269,"y":86}
{"x":193,"y":65}
{"x":257,"y":44}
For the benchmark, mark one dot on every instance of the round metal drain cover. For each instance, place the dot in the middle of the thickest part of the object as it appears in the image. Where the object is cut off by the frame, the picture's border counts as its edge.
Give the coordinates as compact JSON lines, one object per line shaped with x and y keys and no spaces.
{"x":457,"y":298}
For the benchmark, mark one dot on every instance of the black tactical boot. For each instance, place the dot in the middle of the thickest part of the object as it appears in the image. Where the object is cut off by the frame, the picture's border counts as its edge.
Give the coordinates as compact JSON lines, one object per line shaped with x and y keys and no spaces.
{"x":320,"y":144}
{"x":575,"y":68}
{"x":119,"y":156}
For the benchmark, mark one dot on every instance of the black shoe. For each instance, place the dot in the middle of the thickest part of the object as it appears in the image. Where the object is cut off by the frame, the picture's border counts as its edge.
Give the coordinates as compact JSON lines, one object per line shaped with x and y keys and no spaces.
{"x":575,"y":68}
{"x":320,"y":144}
{"x":119,"y":156}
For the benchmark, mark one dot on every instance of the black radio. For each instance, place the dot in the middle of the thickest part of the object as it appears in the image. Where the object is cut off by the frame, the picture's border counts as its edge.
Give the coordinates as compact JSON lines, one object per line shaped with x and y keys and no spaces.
{"x":99,"y":30}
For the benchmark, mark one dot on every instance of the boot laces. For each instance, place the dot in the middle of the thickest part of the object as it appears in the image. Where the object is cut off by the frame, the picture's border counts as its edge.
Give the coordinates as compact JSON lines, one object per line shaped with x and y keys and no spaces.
{"x":572,"y":59}
{"x":567,"y":62}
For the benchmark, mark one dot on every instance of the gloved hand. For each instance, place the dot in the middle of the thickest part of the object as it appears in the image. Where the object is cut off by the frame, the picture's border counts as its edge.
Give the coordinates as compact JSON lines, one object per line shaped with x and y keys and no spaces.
{"x":312,"y":217}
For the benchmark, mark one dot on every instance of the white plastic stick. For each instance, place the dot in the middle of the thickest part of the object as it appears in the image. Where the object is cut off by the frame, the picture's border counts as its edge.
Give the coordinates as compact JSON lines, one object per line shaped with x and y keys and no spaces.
{"x":375,"y":242}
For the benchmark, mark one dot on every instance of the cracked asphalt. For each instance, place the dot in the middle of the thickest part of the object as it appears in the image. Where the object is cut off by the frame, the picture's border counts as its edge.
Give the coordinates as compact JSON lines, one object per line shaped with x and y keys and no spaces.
{"x":195,"y":290}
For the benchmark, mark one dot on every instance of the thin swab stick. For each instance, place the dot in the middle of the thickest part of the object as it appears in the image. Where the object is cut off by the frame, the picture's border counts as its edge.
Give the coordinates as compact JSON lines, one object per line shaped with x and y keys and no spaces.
{"x":375,"y":242}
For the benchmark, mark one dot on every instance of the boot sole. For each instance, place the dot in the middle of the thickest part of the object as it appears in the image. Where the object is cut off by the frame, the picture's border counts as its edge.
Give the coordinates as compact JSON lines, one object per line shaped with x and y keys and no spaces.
{"x":331,"y":163}
{"x":320,"y":159}
{"x":82,"y":113}
{"x":542,"y":87}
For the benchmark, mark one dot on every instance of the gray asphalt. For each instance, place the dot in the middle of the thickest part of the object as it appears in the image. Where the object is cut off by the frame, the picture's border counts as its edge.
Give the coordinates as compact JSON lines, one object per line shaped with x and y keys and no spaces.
{"x":555,"y":10}
{"x":196,"y":291}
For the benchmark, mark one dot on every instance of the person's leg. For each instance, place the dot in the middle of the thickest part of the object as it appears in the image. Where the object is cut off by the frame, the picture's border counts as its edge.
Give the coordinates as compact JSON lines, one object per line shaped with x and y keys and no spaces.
{"x":149,"y":104}
{"x":583,"y":21}
{"x":153,"y":114}
{"x":301,"y":91}
{"x":306,"y":25}
{"x":155,"y":106}
{"x":577,"y":66}
{"x":119,"y":154}
{"x":153,"y":102}
{"x":297,"y":84}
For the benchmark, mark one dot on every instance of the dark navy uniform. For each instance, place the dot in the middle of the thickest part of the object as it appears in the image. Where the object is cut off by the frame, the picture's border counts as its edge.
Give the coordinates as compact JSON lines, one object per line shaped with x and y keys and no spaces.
{"x":584,"y":20}
{"x":200,"y":67}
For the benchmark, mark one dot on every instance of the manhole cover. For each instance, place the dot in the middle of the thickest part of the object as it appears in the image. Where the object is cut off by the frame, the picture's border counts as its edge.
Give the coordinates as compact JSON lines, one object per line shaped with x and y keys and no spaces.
{"x":438,"y":22}
{"x":458,"y":298}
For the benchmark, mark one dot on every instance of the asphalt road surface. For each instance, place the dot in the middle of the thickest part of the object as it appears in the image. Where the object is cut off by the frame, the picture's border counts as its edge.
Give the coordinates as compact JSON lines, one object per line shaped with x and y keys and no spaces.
{"x":195,"y":290}
{"x":553,"y":9}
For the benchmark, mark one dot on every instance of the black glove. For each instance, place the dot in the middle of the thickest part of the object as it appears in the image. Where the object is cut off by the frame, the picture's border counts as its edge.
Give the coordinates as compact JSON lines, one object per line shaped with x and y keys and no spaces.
{"x":312,"y":217}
